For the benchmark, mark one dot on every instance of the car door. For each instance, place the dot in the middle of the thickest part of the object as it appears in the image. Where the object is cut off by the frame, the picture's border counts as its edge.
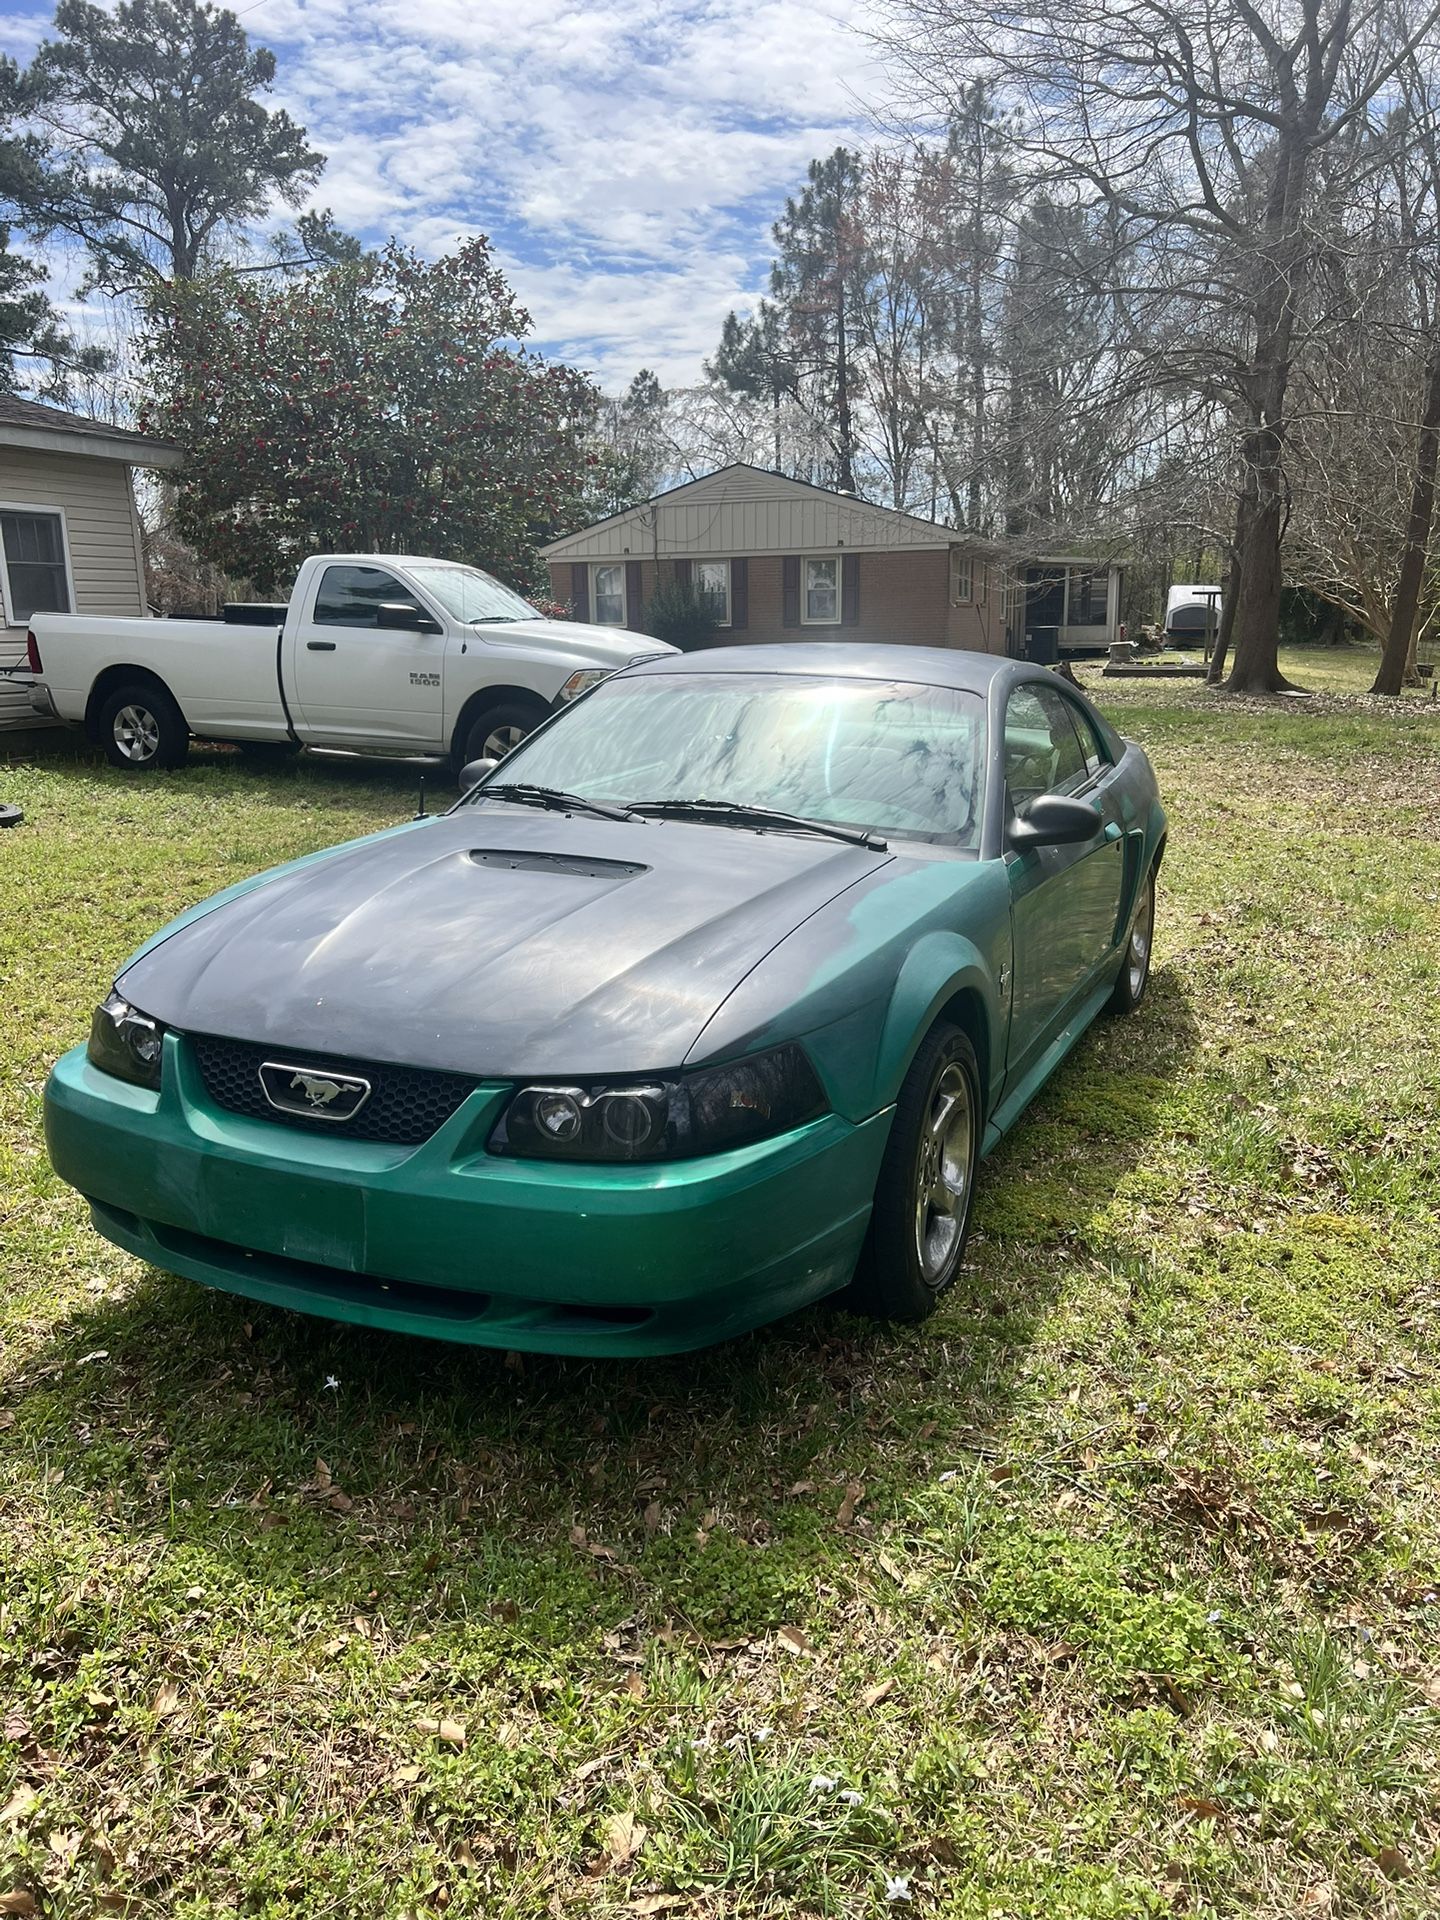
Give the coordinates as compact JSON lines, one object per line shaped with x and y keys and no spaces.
{"x":1064,"y":900}
{"x":359,"y":684}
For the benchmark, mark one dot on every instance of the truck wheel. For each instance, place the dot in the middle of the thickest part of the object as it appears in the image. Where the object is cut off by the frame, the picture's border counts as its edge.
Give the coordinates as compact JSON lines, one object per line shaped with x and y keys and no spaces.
{"x":496,"y":730}
{"x":921,"y":1217}
{"x":142,"y":728}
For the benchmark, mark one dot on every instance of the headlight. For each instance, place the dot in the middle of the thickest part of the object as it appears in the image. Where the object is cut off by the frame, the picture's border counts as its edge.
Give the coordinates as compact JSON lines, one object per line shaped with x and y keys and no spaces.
{"x":578,"y":682}
{"x":126,"y":1042}
{"x":704,"y":1112}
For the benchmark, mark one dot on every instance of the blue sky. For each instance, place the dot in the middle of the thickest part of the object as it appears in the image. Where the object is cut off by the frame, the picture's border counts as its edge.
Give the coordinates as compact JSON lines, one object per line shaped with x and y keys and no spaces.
{"x":626,"y":157}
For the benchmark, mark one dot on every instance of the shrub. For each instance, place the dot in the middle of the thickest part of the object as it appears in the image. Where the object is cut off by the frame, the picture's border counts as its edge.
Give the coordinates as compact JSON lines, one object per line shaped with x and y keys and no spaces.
{"x":677,"y":614}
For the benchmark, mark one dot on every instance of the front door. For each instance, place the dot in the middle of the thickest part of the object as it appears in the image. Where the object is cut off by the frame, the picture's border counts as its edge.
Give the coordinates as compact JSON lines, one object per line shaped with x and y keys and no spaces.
{"x":1065,"y":901}
{"x":358,"y":684}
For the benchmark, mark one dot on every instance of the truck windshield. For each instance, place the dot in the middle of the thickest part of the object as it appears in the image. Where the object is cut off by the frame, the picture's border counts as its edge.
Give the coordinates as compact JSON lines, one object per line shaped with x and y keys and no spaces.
{"x":468,"y":594}
{"x":890,"y":757}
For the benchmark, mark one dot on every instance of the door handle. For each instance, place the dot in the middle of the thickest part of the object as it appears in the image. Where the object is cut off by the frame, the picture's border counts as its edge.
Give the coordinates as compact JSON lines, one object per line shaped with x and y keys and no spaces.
{"x":319,"y":646}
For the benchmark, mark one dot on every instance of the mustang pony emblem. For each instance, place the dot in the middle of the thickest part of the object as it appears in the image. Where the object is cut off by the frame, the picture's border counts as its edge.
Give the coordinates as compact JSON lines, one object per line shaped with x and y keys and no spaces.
{"x":308,"y":1090}
{"x":318,"y":1092}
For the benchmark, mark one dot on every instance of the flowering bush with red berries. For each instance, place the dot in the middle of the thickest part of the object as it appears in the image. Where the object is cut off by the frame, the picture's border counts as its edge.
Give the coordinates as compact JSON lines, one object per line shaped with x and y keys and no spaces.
{"x":379,"y":405}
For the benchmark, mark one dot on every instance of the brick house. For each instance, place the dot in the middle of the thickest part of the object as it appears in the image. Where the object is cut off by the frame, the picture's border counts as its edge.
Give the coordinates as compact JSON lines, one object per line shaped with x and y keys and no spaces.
{"x":779,"y":559}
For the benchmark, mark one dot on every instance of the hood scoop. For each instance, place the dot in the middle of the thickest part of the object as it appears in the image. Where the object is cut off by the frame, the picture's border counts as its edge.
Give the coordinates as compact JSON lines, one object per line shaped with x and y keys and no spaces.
{"x":532,"y":860}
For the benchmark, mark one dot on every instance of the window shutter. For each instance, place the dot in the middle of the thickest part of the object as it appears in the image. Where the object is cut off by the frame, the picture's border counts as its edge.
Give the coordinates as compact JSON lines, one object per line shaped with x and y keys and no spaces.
{"x":580,"y":589}
{"x":682,"y":573}
{"x":790,"y":585}
{"x":634,"y":600}
{"x":739,"y":594}
{"x":850,"y":589}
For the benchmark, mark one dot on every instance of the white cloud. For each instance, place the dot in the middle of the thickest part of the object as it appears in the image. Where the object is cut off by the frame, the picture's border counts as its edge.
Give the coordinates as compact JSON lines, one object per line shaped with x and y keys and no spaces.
{"x":626,"y":160}
{"x":626,"y":157}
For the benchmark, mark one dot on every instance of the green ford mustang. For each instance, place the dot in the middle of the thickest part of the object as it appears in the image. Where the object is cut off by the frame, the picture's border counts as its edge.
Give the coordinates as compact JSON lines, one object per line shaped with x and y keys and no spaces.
{"x":703,"y":1004}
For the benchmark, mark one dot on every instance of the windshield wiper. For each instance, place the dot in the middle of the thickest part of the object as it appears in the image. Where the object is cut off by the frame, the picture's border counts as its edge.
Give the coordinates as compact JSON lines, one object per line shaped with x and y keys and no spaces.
{"x":738,"y":813}
{"x":525,"y":795}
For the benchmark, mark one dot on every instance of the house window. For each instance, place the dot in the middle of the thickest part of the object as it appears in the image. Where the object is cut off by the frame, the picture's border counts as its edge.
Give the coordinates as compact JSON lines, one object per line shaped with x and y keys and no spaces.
{"x":37,"y":575}
{"x":962,"y":580}
{"x":712,"y":589}
{"x":820,"y":603}
{"x":1089,"y":598}
{"x":607,"y":594}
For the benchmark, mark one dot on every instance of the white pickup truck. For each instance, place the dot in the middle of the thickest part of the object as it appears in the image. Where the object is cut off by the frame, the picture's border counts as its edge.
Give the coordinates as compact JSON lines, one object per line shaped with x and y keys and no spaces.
{"x":376,"y":652}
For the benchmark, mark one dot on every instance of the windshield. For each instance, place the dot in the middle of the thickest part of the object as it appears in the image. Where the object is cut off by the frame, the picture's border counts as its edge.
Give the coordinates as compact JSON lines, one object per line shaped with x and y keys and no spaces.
{"x":468,"y":594}
{"x":897,"y":758}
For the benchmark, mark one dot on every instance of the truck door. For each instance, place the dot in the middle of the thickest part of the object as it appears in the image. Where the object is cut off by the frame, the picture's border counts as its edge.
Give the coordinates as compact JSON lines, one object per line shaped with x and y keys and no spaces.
{"x":358,"y":684}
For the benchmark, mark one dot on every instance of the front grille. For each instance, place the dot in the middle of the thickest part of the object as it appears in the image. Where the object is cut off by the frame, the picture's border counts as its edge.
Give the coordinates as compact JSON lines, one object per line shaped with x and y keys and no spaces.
{"x":405,"y":1107}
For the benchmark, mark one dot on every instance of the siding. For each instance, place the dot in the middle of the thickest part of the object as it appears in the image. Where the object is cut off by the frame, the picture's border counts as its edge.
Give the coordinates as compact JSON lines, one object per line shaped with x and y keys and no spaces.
{"x":904,"y":601}
{"x":100,"y":527}
{"x":746,"y":510}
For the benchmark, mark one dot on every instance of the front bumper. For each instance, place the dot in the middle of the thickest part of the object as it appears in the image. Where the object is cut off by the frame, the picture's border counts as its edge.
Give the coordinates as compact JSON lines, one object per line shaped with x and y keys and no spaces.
{"x":448,"y":1240}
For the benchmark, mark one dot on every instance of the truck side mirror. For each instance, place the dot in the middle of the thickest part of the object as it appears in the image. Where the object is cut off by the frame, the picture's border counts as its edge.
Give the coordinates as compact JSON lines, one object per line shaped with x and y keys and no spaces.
{"x":403,"y":616}
{"x":475,"y":772}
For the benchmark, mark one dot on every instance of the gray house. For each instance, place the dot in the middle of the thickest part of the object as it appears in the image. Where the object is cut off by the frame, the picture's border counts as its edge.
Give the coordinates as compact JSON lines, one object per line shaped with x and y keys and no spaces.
{"x":69,"y":529}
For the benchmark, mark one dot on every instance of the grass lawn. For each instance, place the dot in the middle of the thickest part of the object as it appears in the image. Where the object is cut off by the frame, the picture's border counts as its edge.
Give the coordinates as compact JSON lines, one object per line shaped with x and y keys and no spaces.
{"x":1110,"y":1592}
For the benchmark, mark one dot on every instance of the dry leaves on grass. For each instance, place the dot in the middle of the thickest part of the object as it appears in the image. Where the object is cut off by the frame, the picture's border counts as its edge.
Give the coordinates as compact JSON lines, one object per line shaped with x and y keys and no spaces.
{"x":622,"y":1836}
{"x":19,"y":1903}
{"x":450,"y":1732}
{"x":793,"y":1640}
{"x":854,"y":1494}
{"x":18,"y":1806}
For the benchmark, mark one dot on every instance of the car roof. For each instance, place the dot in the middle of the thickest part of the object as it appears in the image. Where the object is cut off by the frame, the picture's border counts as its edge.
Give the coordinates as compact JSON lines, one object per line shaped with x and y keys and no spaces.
{"x":848,"y":660}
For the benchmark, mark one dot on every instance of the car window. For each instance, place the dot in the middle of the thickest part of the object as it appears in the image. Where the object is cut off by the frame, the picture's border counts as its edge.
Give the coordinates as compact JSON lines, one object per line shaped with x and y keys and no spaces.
{"x":1092,"y":745}
{"x":896,"y":757}
{"x":348,"y":596}
{"x":1042,"y":749}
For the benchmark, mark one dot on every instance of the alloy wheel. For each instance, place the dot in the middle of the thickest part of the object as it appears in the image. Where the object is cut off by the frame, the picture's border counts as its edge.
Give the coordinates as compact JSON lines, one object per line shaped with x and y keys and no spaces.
{"x":1142,"y":933}
{"x":943,"y":1170}
{"x":137,"y":733}
{"x":500,"y":741}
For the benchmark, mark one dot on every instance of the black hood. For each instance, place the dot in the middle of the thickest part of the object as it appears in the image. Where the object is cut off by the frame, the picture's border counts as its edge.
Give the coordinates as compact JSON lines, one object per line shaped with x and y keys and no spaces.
{"x":497,"y":940}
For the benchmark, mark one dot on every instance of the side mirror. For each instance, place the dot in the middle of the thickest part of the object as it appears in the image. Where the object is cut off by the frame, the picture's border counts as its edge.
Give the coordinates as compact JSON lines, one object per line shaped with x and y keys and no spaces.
{"x":1054,"y":820}
{"x":475,"y":772}
{"x":403,"y":616}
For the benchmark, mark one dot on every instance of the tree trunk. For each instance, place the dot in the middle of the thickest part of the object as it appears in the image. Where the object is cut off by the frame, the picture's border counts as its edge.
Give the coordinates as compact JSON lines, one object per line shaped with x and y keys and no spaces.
{"x":1257,"y":614}
{"x":1229,"y":603}
{"x":975,"y":336}
{"x":845,"y":480}
{"x":1399,"y":651}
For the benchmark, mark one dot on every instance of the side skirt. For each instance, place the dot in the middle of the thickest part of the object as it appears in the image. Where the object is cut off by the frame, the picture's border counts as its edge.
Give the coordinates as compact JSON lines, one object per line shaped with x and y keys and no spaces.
{"x":1020,"y":1095}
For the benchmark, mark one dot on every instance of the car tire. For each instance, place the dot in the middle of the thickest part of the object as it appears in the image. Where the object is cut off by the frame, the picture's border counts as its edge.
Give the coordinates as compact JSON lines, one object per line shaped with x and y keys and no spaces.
{"x":921,"y":1216}
{"x":498,"y":730}
{"x":141,"y":728}
{"x":1134,"y":974}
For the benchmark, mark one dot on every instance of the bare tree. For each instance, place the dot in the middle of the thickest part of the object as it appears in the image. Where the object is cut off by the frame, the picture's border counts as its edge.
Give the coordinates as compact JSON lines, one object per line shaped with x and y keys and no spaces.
{"x":1201,"y":125}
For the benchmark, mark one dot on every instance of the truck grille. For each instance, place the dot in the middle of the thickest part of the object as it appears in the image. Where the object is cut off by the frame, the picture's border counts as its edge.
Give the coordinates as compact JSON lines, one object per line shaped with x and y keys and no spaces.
{"x":406,"y":1104}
